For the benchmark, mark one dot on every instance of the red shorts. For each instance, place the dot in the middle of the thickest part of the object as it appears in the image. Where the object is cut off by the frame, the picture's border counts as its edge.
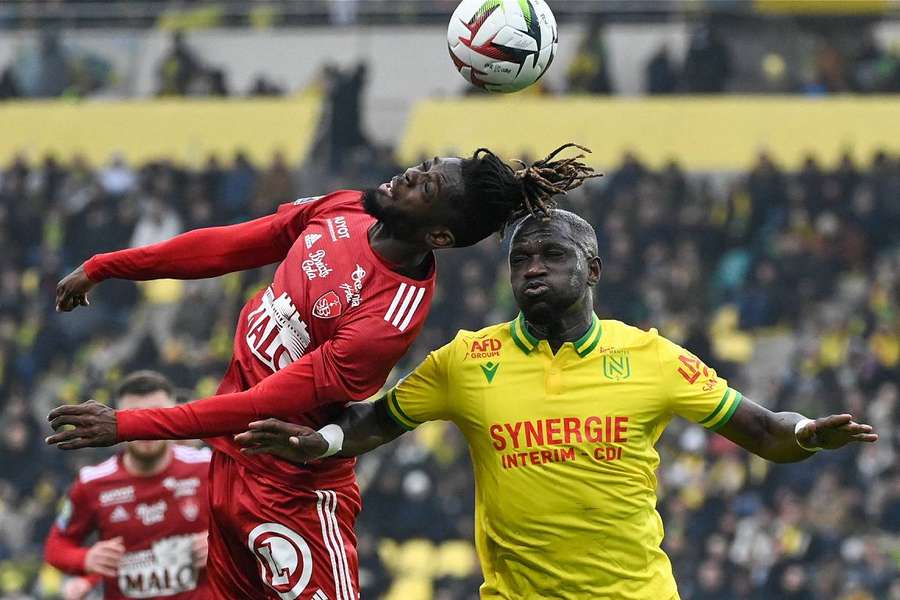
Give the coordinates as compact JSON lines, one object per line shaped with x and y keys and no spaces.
{"x":268,"y":541}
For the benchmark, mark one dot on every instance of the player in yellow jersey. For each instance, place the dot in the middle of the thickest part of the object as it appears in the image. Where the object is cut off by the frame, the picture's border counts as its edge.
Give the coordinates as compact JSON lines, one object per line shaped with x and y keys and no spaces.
{"x":561,"y":411}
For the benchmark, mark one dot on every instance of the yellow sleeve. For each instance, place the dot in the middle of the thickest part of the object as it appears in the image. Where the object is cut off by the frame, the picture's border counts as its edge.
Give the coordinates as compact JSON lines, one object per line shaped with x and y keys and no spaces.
{"x":696,"y":392}
{"x":423,"y":395}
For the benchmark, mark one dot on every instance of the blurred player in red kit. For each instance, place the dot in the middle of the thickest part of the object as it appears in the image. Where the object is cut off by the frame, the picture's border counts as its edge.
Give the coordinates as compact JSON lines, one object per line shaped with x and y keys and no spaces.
{"x":148,"y":508}
{"x":351,"y":292}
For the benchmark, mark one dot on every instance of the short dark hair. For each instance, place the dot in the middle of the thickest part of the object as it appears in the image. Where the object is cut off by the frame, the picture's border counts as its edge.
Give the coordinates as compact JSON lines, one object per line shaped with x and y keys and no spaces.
{"x":495,"y":195}
{"x":584,"y":234}
{"x":142,"y":383}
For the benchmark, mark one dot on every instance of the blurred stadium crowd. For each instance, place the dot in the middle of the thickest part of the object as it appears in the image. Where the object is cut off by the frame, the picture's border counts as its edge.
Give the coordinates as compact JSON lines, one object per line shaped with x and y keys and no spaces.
{"x":787,"y":283}
{"x":827,"y":64}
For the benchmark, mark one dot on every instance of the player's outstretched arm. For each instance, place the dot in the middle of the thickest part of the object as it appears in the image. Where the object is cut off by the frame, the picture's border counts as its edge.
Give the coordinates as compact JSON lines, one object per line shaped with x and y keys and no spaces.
{"x":200,"y":253}
{"x":790,"y":437}
{"x":361,"y":427}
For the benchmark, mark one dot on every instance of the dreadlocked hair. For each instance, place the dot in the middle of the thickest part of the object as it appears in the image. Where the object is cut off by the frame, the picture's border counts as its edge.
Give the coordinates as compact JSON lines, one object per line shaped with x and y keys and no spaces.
{"x":497,"y":195}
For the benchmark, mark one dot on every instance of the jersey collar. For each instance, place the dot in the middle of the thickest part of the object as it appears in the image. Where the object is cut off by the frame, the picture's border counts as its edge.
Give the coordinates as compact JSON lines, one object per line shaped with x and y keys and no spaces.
{"x":527,"y":342}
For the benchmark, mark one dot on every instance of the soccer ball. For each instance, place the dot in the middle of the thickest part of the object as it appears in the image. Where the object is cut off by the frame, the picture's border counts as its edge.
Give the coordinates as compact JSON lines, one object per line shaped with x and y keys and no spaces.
{"x":502,"y":45}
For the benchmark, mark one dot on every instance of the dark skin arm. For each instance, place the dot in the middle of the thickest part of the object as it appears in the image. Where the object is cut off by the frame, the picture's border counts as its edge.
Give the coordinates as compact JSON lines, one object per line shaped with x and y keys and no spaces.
{"x":771,"y":435}
{"x":366,"y":426}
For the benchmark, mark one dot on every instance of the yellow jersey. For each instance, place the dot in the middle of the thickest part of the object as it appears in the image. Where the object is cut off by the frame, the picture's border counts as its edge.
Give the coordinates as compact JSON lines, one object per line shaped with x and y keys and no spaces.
{"x":563,"y":451}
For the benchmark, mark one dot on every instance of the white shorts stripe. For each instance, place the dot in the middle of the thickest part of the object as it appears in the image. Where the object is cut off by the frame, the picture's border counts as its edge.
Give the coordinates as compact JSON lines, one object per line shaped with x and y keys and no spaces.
{"x":330,"y":505}
{"x":397,"y":296}
{"x":401,"y":312}
{"x":325,"y":539}
{"x":412,"y":309}
{"x":341,"y":549}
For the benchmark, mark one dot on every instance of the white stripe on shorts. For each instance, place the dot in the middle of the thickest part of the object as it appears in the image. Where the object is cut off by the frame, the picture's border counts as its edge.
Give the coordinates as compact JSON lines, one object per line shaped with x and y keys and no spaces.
{"x":326,"y":525}
{"x":340,"y":546}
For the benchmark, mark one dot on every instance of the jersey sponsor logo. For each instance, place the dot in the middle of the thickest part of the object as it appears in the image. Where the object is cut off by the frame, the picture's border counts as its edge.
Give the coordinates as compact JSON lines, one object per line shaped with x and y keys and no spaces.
{"x":692,"y":370}
{"x":276,"y":334}
{"x":285,"y":561}
{"x":165,"y":569}
{"x":557,"y":440}
{"x":190,"y":510}
{"x":117,"y":496}
{"x":351,"y":291}
{"x":337,"y":229}
{"x":486,"y":348}
{"x":301,"y":201}
{"x":328,"y":306}
{"x":182,"y":487}
{"x":489,"y":369}
{"x":119,"y":515}
{"x":315,"y":266}
{"x":617,"y":365}
{"x":151,"y":514}
{"x":404,"y":305}
{"x":311,"y":238}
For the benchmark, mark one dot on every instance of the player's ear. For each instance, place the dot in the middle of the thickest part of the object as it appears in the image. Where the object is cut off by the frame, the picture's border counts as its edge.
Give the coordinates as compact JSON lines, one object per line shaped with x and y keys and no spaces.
{"x":595,"y":265}
{"x":440,"y":238}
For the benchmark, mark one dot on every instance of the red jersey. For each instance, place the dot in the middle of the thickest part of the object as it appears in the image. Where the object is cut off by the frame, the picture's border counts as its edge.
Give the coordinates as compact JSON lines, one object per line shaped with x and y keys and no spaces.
{"x":329,"y":328}
{"x":156,"y":517}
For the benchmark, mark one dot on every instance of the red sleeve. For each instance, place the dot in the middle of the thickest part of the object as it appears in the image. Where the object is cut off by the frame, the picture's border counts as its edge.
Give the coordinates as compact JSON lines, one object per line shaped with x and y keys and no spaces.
{"x":208,"y":252}
{"x":351,"y":366}
{"x":76,"y":520}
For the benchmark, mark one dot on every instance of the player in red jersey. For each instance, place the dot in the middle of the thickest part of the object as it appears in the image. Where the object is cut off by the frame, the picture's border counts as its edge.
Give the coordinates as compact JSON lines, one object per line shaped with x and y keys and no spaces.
{"x":351,"y":293}
{"x":148,"y":508}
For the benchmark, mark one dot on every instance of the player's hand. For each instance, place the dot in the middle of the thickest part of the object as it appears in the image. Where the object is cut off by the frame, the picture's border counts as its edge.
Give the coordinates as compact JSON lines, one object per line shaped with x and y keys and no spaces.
{"x":200,"y":549}
{"x":92,"y":425}
{"x":104,"y":556}
{"x":834,"y":432}
{"x":76,"y":588}
{"x":71,"y":291}
{"x":295,"y":443}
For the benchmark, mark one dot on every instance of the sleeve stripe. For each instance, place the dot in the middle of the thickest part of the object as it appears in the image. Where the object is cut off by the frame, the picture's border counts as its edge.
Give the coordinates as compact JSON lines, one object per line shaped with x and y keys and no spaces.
{"x":395,"y":411}
{"x":734,"y":406}
{"x":721,"y":404}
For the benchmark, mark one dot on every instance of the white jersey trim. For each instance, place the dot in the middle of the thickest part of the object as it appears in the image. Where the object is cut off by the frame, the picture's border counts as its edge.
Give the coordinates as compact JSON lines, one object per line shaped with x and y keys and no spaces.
{"x":104,"y":469}
{"x":192,"y":455}
{"x":404,"y":306}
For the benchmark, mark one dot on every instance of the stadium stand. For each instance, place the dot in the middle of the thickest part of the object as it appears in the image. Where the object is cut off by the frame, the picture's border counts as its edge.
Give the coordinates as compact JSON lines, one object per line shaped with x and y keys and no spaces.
{"x":758,"y":227}
{"x":788,"y":281}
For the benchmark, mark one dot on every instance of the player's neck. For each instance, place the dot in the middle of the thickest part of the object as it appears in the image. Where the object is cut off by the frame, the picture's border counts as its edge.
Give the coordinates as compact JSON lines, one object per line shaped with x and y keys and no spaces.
{"x":147,"y":468}
{"x":569,"y":327}
{"x":410,"y":260}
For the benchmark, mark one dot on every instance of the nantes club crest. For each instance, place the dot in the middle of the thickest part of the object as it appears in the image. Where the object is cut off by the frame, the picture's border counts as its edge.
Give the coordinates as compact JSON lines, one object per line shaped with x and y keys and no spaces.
{"x":328,"y":306}
{"x":616,"y":366}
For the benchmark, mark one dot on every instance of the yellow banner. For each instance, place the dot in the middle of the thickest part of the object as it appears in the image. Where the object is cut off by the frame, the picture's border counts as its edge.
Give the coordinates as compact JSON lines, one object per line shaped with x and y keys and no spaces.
{"x":821,"y":7}
{"x":185,"y":130}
{"x":715,"y":133}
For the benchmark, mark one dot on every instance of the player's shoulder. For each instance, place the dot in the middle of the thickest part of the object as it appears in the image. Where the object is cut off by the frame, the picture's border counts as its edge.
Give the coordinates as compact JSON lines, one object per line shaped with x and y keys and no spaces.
{"x":335,"y":199}
{"x":103,"y":471}
{"x":190,"y":455}
{"x":622,"y":336}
